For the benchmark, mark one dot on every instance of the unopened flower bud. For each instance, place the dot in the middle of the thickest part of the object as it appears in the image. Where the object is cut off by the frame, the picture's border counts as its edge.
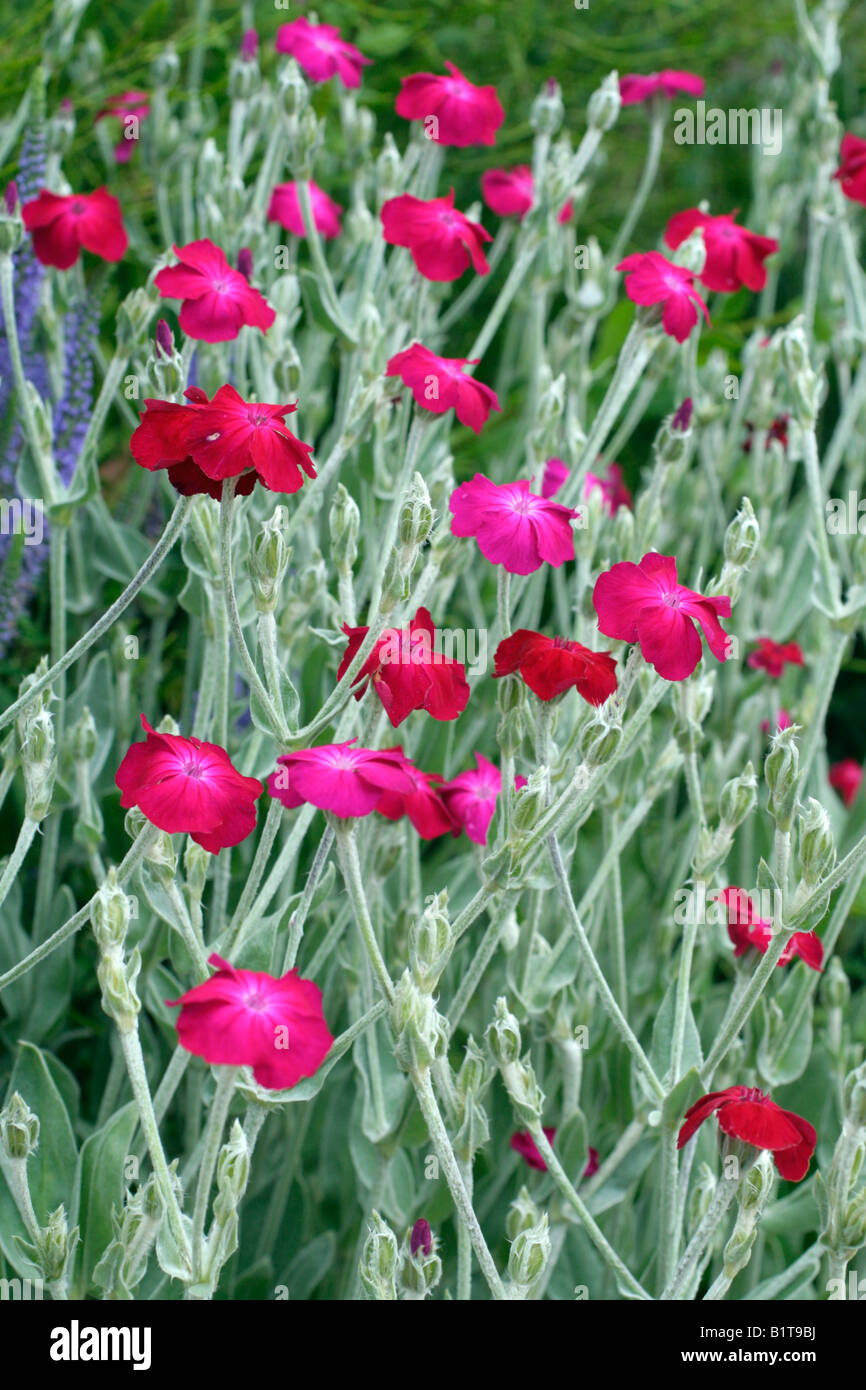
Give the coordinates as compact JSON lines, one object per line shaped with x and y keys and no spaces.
{"x":523,"y":1214}
{"x":420,"y":1266}
{"x":599,"y":739}
{"x":547,"y":110}
{"x":37,"y":754}
{"x":196,"y":862}
{"x":835,"y":989}
{"x":292,"y":90}
{"x":416,"y":517}
{"x":742,"y":536}
{"x":55,"y":1245}
{"x":387,"y":169}
{"x":817,"y":848}
{"x":503,"y":1035}
{"x":604,"y":104}
{"x":854,"y":1096}
{"x":691,"y":254}
{"x":345,"y":524}
{"x":473,"y":1074}
{"x":133,"y":315}
{"x":165,"y":68}
{"x":19,"y":1128}
{"x":269,"y":559}
{"x":421,"y":1032}
{"x":529,"y":801}
{"x":117,"y":982}
{"x":509,"y":734}
{"x":529,"y":1254}
{"x":781,"y":773}
{"x":11,"y":224}
{"x":431,"y":943}
{"x":110,"y":914}
{"x":379,"y":1259}
{"x":738,"y":798}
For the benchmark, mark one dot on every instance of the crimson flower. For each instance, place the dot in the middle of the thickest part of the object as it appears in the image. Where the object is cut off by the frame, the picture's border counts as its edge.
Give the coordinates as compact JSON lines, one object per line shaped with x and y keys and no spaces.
{"x":735,"y":256}
{"x":611,"y":485}
{"x":285,"y":208}
{"x":203,"y":443}
{"x":407,"y":671}
{"x":217,"y":299}
{"x":440,"y":384}
{"x":644,"y":603}
{"x":773,"y":657}
{"x":442,"y":242}
{"x":777,"y":430}
{"x":634,"y":88}
{"x":471,"y":798}
{"x":508,"y":191}
{"x":783,"y":721}
{"x":321,"y":52}
{"x":751,"y":1116}
{"x":339,"y":778}
{"x":423,"y":805}
{"x":846,"y":777}
{"x":746,"y":929}
{"x":552,"y":665}
{"x":524,"y":1144}
{"x":64,"y":223}
{"x":121,"y":108}
{"x":852,"y":171}
{"x":246,"y":1018}
{"x":651,"y":279}
{"x":513,"y":527}
{"x":454,"y":111}
{"x":183,"y":785}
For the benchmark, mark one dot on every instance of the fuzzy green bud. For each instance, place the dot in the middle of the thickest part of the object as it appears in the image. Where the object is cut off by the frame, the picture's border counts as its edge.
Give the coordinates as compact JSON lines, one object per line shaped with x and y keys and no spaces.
{"x":388,"y":167}
{"x":292,"y":91}
{"x":416,"y":519}
{"x":379,"y":1260}
{"x":421,"y":1033}
{"x":503,"y":1035}
{"x":742,"y":537}
{"x":345,"y":524}
{"x":117,"y":982}
{"x":738,"y":798}
{"x":269,"y":559}
{"x":431,"y":943}
{"x":133,"y":315}
{"x":474,"y":1073}
{"x":604,"y":104}
{"x":525,"y":1093}
{"x":19,"y":1128}
{"x":547,"y":110}
{"x":82,"y":738}
{"x":529,"y":801}
{"x":599,"y":739}
{"x":523,"y":1214}
{"x":55,"y":1245}
{"x":854,"y":1096}
{"x":835,"y":989}
{"x":530,"y":1251}
{"x":11,"y":223}
{"x":817,"y":848}
{"x":781,"y":773}
{"x":196,"y":862}
{"x":37,"y":753}
{"x":110,"y":914}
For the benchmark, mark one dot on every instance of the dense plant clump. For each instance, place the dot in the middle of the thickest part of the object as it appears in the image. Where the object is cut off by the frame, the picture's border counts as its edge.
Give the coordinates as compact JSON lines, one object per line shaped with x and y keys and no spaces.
{"x":426,"y":872}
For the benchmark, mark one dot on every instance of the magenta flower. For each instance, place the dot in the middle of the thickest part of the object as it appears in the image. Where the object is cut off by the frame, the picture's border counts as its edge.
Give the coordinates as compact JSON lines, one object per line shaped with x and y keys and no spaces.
{"x":852,"y":170}
{"x":471,"y":798}
{"x":735,"y":256}
{"x":613,"y":490}
{"x":423,"y":806}
{"x":421,"y":1238}
{"x":121,"y":108}
{"x":846,"y":777}
{"x":246,"y":1018}
{"x":217,"y":299}
{"x":443,"y":242}
{"x":454,"y":111}
{"x":555,"y":474}
{"x":508,"y":192}
{"x":783,"y":721}
{"x":249,"y":45}
{"x":440,"y":384}
{"x":773,"y":657}
{"x":321,"y":52}
{"x":634,"y":88}
{"x":653,"y":280}
{"x":644,"y":603}
{"x":339,"y":778}
{"x":513,"y":526}
{"x":285,"y":208}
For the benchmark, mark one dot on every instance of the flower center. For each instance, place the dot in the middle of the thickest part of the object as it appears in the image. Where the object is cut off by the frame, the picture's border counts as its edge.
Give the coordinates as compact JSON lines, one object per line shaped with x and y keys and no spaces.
{"x":671,"y":600}
{"x":193,"y":769}
{"x":256,"y":1001}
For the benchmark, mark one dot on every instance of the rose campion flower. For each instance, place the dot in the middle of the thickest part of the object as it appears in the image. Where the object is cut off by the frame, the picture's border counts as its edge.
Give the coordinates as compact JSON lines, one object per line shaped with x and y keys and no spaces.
{"x":552,"y":665}
{"x":644,"y":603}
{"x":440,"y":384}
{"x":845,"y":777}
{"x":508,"y":192}
{"x":513,"y":526}
{"x":340,"y":778}
{"x":735,"y":256}
{"x":423,"y":805}
{"x":852,"y":170}
{"x":321,"y":52}
{"x":217,"y":299}
{"x":651,"y":279}
{"x":442,"y":242}
{"x":250,"y":45}
{"x":247,"y":1018}
{"x":285,"y":208}
{"x":454,"y":111}
{"x":524,"y":1144}
{"x":471,"y":798}
{"x":185,"y":786}
{"x":421,"y":1238}
{"x":634,"y":88}
{"x":746,"y":929}
{"x":747,"y":1114}
{"x":783,"y":721}
{"x":407,"y":672}
{"x":133,"y":105}
{"x":203,"y":443}
{"x":62,"y":224}
{"x":777,"y":430}
{"x":613,"y":490}
{"x":773,"y":657}
{"x":555,"y":474}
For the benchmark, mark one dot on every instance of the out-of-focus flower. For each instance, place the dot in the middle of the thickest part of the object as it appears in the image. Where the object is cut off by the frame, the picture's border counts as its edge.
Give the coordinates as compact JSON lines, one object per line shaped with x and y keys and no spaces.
{"x":62,"y":224}
{"x":321,"y":52}
{"x":634,"y":88}
{"x":783,"y":721}
{"x":462,"y":114}
{"x":612,"y":487}
{"x":133,"y":105}
{"x":852,"y":170}
{"x":735,"y":256}
{"x":773,"y":657}
{"x":285,"y":208}
{"x":845,"y":777}
{"x":524,"y":1144}
{"x":443,"y":242}
{"x":651,"y":279}
{"x":440,"y":384}
{"x":746,"y":929}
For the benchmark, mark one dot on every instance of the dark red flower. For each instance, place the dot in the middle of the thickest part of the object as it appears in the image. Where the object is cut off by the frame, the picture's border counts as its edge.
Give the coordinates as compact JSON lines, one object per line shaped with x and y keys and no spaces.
{"x":423,"y":805}
{"x":746,"y":929}
{"x":749,"y":1115}
{"x":773,"y":657}
{"x":64,"y":223}
{"x":407,"y":671}
{"x":777,"y":430}
{"x":552,"y":665}
{"x":852,"y":171}
{"x":524,"y":1144}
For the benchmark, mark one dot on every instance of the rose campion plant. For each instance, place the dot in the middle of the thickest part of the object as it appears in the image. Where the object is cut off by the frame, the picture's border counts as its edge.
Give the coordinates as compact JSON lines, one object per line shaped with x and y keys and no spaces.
{"x":424,"y":654}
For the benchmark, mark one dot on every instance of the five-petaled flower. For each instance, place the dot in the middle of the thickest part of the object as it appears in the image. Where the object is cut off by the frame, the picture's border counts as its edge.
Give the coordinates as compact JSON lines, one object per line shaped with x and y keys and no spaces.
{"x":62,"y":224}
{"x":321,"y":52}
{"x":203,"y":443}
{"x":523,"y":1143}
{"x":183,"y":785}
{"x":552,"y":665}
{"x":340,"y":778}
{"x":773,"y":657}
{"x":453,"y":109}
{"x":217,"y":299}
{"x":471,"y":798}
{"x":651,"y":279}
{"x":634,"y":87}
{"x":747,"y":1114}
{"x":442,"y":241}
{"x":407,"y":671}
{"x":746,"y":928}
{"x":514,"y":527}
{"x":735,"y":256}
{"x":247,"y":1018}
{"x":130,"y":109}
{"x":285,"y":208}
{"x":440,"y":384}
{"x":645,"y":603}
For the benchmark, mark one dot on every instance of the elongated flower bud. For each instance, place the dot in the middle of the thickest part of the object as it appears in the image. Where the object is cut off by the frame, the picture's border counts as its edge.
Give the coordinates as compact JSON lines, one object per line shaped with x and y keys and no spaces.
{"x":19,"y":1128}
{"x":431,"y":943}
{"x":604,"y":104}
{"x":269,"y":559}
{"x":503,"y":1035}
{"x":528,"y":1256}
{"x":379,"y":1259}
